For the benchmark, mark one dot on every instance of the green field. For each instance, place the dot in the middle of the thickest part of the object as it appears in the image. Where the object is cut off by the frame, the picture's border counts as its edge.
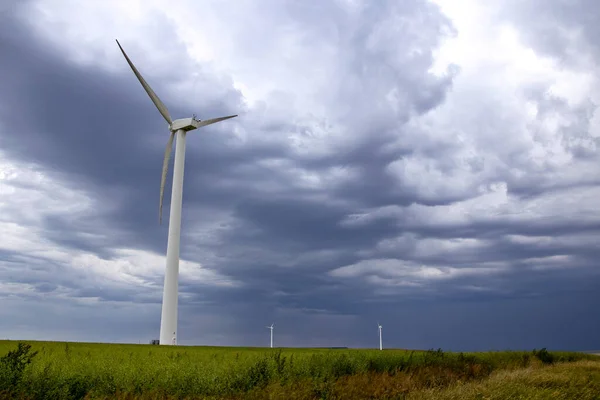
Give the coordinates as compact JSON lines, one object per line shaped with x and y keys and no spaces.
{"x":89,"y":370}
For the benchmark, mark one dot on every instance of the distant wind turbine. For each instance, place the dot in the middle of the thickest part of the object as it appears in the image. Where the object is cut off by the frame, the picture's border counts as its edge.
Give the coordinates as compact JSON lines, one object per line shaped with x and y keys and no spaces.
{"x":271,"y":328}
{"x":380,"y":342}
{"x":179,"y":128}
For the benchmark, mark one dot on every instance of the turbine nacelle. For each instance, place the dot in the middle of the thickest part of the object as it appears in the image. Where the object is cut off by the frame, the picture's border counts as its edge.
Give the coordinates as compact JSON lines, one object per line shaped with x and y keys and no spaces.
{"x":186,"y":124}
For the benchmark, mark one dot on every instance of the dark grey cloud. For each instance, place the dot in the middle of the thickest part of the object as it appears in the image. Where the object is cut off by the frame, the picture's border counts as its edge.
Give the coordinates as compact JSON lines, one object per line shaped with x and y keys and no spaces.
{"x":318,"y":222}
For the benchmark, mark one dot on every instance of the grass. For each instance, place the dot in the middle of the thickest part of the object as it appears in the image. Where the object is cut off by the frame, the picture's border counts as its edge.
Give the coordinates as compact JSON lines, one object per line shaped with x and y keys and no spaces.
{"x":578,"y":380}
{"x":97,"y":371}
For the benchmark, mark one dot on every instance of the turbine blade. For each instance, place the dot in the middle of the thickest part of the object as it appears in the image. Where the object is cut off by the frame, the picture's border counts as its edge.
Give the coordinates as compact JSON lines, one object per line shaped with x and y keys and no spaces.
{"x":214,"y":120}
{"x":163,"y":178}
{"x":159,"y":104}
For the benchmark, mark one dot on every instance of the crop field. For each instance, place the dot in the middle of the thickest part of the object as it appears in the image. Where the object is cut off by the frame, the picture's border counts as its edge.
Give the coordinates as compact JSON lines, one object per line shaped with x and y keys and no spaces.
{"x":58,"y":370}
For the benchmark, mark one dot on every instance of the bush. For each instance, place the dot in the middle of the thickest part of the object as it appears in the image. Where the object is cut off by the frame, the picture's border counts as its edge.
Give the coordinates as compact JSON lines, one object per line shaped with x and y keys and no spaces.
{"x":544,"y":356}
{"x":12,"y":366}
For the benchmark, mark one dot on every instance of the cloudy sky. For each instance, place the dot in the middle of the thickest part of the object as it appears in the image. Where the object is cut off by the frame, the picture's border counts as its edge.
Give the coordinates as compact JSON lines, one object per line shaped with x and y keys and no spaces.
{"x":431,"y":165}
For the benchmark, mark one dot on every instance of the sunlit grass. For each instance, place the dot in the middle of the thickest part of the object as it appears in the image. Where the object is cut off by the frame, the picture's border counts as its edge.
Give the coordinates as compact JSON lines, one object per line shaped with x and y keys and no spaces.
{"x":78,"y":370}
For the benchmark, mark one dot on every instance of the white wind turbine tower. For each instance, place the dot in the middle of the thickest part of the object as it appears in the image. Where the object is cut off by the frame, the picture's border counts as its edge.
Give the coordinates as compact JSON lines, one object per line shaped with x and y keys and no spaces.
{"x":179,"y":128}
{"x":380,"y":342}
{"x":271,"y":328}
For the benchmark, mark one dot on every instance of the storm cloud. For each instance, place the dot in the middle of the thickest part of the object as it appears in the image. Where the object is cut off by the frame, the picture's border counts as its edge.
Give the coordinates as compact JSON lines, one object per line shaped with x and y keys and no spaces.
{"x":430,"y":166}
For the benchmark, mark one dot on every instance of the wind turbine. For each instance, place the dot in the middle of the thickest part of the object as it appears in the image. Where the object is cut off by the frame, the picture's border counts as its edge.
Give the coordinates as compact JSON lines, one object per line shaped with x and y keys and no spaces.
{"x":380,"y":342}
{"x":179,"y":128}
{"x":271,"y":328}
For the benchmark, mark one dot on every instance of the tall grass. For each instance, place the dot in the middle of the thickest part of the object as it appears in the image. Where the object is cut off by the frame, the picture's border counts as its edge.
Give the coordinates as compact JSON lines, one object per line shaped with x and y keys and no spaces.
{"x":85,"y":370}
{"x":569,"y":381}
